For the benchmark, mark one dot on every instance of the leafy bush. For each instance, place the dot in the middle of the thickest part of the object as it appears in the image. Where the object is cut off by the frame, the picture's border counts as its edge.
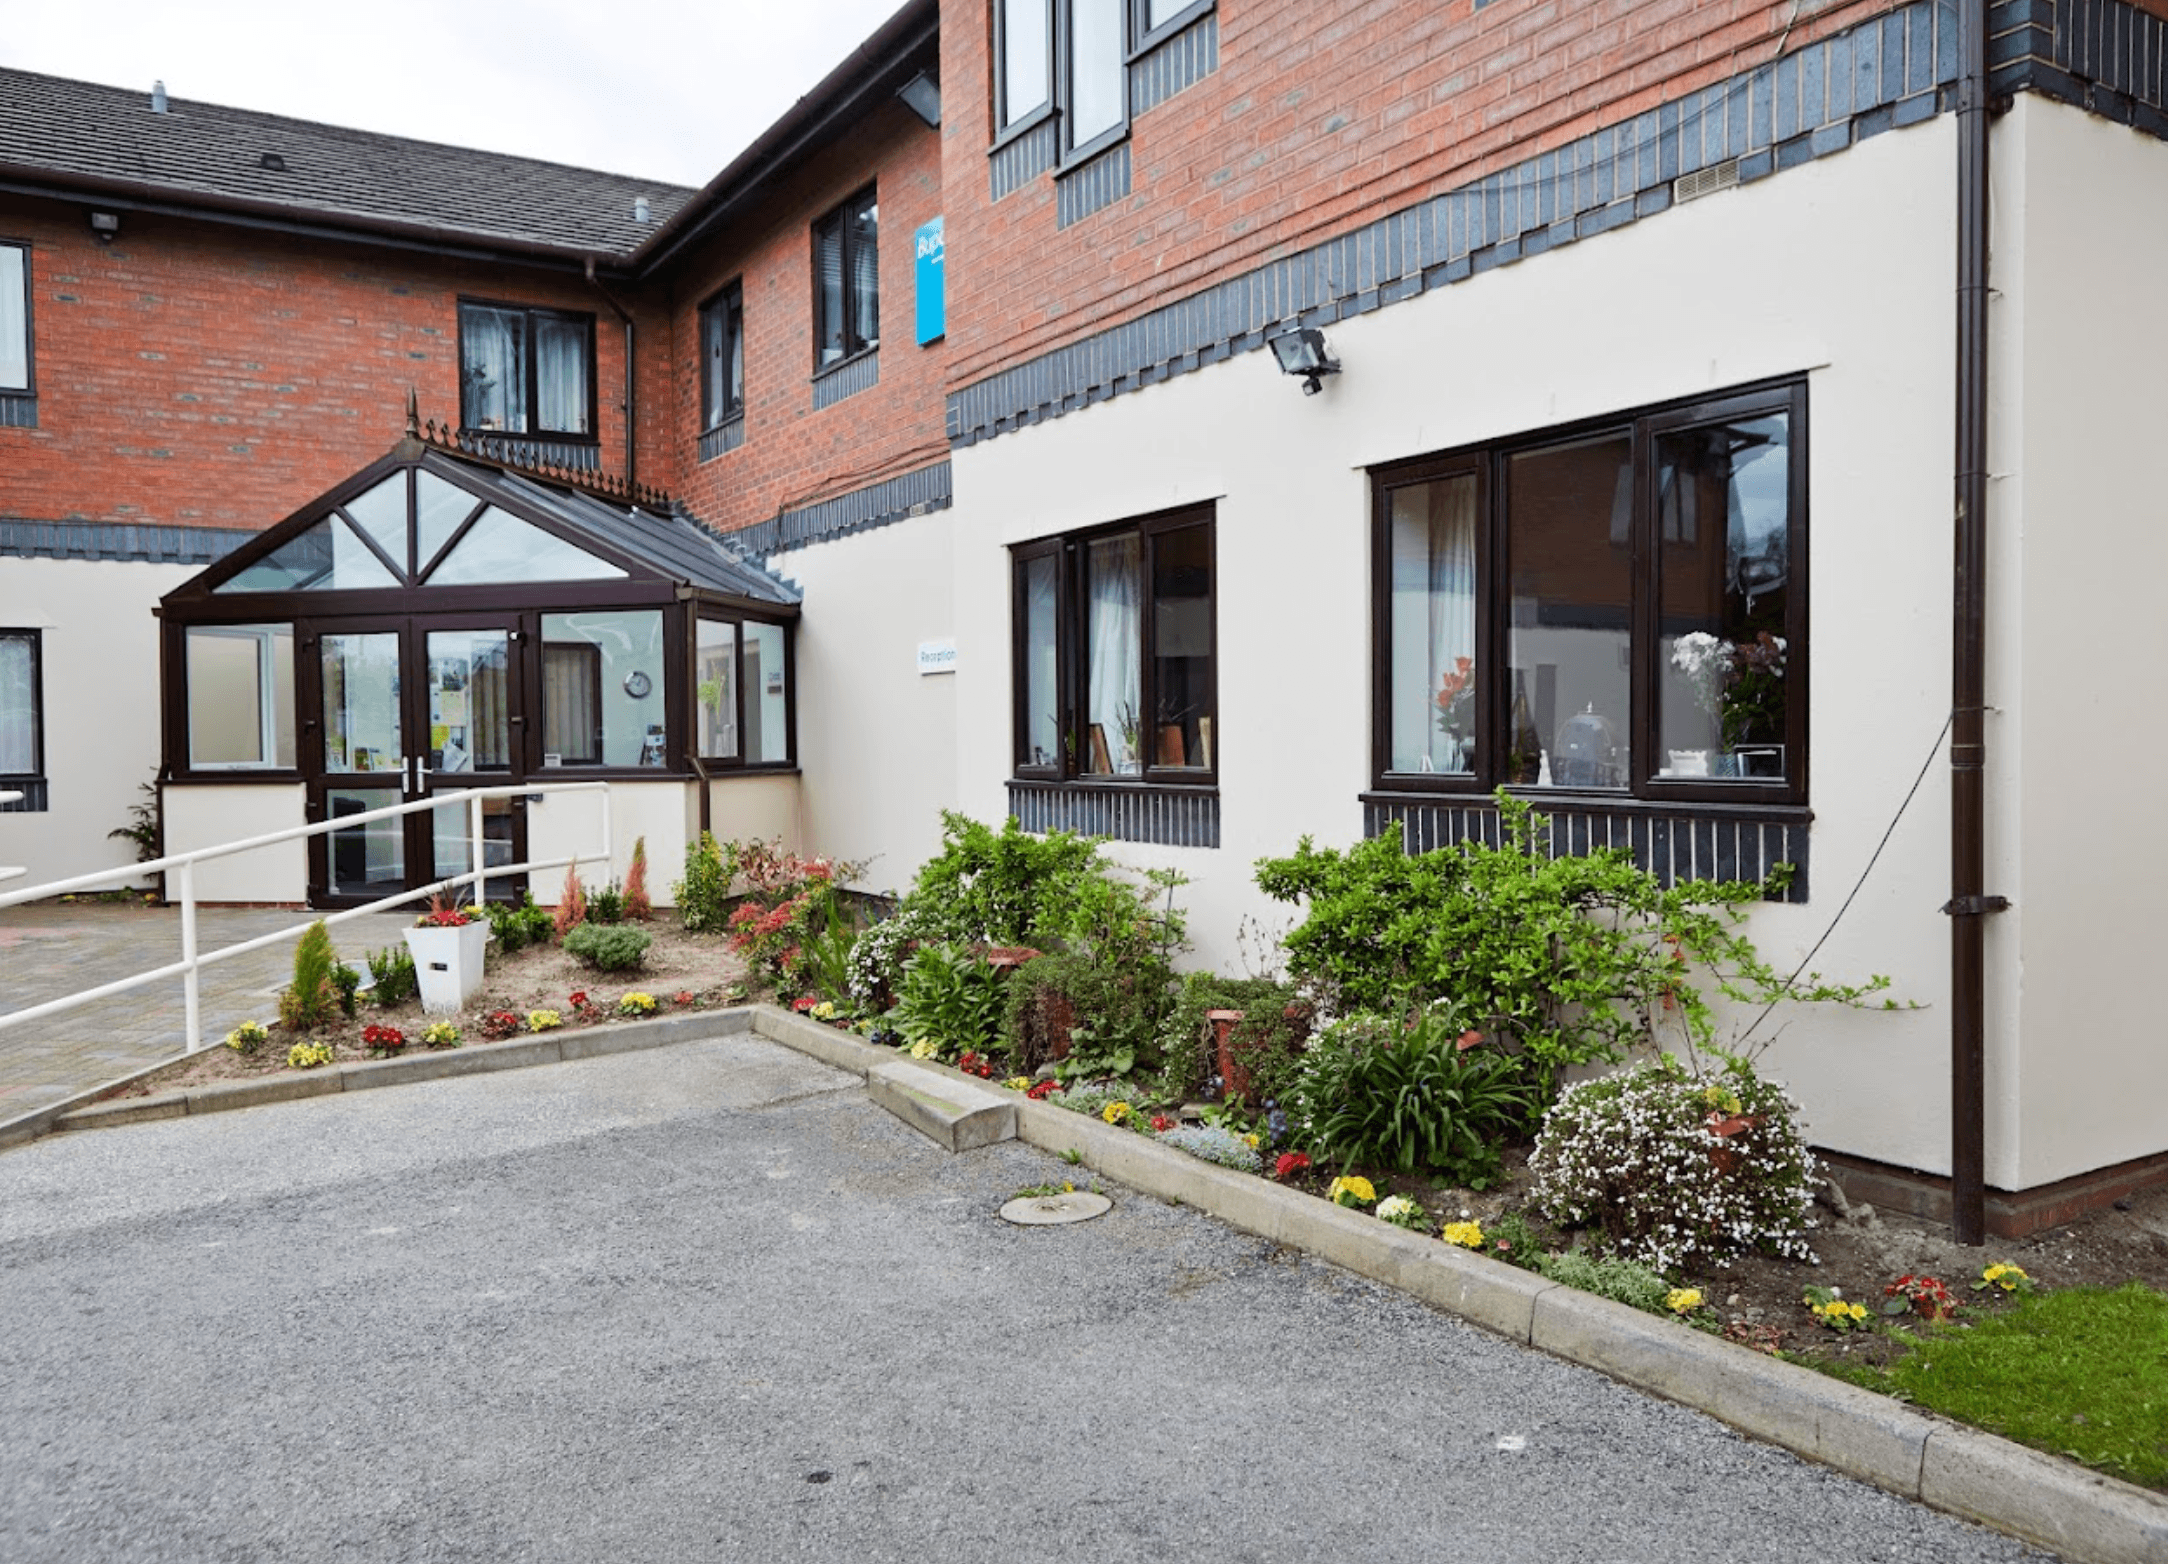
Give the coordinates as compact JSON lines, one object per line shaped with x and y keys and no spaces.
{"x":606,"y":904}
{"x":789,"y":901}
{"x":1569,"y":960}
{"x":309,"y":1001}
{"x":1376,"y":1093}
{"x":1113,"y":1013}
{"x":703,"y":896}
{"x":879,"y":955}
{"x":346,"y":983}
{"x":1269,"y":1039}
{"x":517,"y":925}
{"x":392,"y":974}
{"x":952,"y":998}
{"x":1673,"y":1167}
{"x":1622,"y":1281}
{"x":1005,"y":887}
{"x":609,"y":947}
{"x":1213,"y":1144}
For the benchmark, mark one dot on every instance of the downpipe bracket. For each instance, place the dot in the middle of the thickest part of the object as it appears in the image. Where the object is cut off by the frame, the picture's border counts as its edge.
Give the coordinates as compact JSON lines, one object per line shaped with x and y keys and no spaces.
{"x":1974,"y":906}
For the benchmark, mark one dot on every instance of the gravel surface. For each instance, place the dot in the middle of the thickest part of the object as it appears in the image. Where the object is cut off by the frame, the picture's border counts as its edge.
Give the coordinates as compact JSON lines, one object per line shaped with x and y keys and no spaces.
{"x":706,"y":1302}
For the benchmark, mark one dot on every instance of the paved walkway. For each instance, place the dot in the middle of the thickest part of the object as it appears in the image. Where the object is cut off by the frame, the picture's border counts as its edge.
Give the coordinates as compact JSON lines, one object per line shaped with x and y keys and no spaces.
{"x":708,"y":1303}
{"x":51,"y":949}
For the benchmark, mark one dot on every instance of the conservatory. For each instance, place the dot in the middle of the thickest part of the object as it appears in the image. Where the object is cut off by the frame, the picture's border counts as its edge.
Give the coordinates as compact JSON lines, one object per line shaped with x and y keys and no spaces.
{"x":440,"y":622}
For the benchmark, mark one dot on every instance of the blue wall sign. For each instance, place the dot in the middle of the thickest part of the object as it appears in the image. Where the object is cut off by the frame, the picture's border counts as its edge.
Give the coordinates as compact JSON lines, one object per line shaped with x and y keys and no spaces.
{"x":929,"y":272}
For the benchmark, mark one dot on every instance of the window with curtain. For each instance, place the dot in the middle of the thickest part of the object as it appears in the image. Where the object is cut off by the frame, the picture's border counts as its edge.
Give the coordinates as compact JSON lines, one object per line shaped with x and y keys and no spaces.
{"x":14,"y":318}
{"x":526,"y":371}
{"x":1114,"y":638}
{"x":846,"y":280}
{"x":1607,"y":610}
{"x":22,"y":716}
{"x":722,"y":357}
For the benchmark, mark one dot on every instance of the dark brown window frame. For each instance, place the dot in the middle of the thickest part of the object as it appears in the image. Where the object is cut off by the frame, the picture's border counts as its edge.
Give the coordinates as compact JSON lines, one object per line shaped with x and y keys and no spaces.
{"x":1487,"y":462}
{"x":534,"y":431}
{"x":36,"y":640}
{"x":28,"y":390}
{"x":1072,"y":653}
{"x":856,"y":344}
{"x":726,"y":305}
{"x":738,"y":763}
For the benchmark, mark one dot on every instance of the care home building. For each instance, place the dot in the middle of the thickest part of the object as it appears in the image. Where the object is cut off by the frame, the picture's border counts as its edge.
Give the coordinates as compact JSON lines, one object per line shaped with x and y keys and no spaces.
{"x":1706,"y":420}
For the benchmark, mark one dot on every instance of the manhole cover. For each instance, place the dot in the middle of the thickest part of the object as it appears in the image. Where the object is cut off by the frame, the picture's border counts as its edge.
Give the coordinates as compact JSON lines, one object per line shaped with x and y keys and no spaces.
{"x":1051,"y":1210}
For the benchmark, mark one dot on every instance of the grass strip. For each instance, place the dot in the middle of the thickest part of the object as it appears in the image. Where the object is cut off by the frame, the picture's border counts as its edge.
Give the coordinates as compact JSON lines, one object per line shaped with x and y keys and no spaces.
{"x":2081,"y":1372}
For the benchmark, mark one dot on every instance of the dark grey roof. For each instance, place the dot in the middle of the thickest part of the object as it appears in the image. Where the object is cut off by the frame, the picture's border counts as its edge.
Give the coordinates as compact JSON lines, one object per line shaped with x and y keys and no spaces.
{"x":672,"y":544}
{"x":81,"y":135}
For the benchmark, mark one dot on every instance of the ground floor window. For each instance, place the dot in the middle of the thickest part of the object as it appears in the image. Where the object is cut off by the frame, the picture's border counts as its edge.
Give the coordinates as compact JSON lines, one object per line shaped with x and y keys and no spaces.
{"x":1114,"y":638}
{"x":22,"y":713}
{"x":741,"y":685}
{"x":604,"y":689}
{"x":1615,"y":608}
{"x":240,"y":696}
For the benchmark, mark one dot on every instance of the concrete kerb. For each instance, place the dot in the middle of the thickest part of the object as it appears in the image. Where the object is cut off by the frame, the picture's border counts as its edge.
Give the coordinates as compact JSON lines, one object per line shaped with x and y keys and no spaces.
{"x":224,"y":1097}
{"x":2087,"y":1518}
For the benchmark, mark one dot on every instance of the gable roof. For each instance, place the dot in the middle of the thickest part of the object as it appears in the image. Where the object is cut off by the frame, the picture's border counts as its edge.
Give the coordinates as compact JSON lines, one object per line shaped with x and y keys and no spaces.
{"x":58,"y":135}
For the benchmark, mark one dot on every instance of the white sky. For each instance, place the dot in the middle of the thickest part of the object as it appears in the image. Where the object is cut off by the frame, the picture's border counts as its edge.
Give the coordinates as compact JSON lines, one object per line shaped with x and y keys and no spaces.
{"x":667,"y":88}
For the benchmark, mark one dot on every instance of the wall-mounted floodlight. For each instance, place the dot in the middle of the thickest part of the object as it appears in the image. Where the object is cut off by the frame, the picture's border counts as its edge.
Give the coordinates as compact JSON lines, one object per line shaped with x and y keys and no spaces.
{"x":106,"y":225}
{"x":923,"y":94}
{"x":1302,"y":352}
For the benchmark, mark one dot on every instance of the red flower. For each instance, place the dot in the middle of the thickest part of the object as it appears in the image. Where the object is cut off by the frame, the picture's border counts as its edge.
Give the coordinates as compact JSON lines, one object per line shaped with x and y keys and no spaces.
{"x":803,"y":1003}
{"x":579,"y":999}
{"x":1289,"y":1164}
{"x":1042,"y":1091}
{"x":1161,"y":1124}
{"x":683,"y":996}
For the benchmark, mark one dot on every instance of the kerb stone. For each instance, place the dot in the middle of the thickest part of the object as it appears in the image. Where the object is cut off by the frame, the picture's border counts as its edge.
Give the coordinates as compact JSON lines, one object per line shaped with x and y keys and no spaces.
{"x":950,"y":1112}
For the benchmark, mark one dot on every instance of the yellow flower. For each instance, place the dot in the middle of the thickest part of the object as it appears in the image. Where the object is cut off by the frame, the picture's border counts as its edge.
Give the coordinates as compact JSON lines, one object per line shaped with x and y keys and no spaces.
{"x":1018,"y":1083}
{"x":1250,"y":1140}
{"x":543,"y":1020}
{"x":1115,"y":1112}
{"x":1683,"y":1300}
{"x":1348,"y":1190}
{"x":1468,"y":1235}
{"x":925,"y":1048}
{"x":2005,"y":1275}
{"x":1858,"y":1311}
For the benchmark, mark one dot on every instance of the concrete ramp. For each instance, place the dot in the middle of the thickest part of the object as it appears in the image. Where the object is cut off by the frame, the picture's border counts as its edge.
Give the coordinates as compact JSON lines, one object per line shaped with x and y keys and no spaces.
{"x":955,"y":1114}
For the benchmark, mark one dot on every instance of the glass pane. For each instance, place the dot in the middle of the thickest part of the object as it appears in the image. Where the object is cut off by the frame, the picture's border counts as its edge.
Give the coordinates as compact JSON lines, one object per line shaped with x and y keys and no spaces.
{"x":451,"y":830}
{"x":865,"y":249}
{"x":1431,"y":606}
{"x":1113,"y":735}
{"x":493,"y":368}
{"x":734,"y":379}
{"x":501,"y":548}
{"x":18,"y":704}
{"x":239,"y":676}
{"x":1023,"y":57}
{"x":382,"y":512}
{"x":603,"y":680}
{"x":828,"y":287}
{"x":715,"y":689}
{"x":1723,"y":510}
{"x":1042,"y":685}
{"x":14,"y":318}
{"x":1569,"y":515}
{"x":1164,"y":11}
{"x":369,"y":859}
{"x":361,"y":703}
{"x":328,"y":557}
{"x":767,"y":701}
{"x":560,"y":375}
{"x":470,"y":725}
{"x":1181,"y":732}
{"x":1095,"y":86}
{"x":439,"y":508}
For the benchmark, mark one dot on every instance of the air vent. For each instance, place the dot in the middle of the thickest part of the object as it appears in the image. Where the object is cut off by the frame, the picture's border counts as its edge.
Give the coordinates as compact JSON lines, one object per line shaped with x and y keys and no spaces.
{"x":273,"y":162}
{"x":1706,"y":181}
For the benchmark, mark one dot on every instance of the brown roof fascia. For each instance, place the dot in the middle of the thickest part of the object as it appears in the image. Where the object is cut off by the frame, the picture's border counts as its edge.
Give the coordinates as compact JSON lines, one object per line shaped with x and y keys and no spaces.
{"x":906,"y":43}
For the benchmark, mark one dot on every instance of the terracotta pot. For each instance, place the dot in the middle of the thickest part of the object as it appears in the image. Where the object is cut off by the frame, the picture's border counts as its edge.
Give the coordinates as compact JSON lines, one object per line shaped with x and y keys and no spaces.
{"x":1059,"y":1015}
{"x":1233,"y":1073}
{"x":1723,"y":1156}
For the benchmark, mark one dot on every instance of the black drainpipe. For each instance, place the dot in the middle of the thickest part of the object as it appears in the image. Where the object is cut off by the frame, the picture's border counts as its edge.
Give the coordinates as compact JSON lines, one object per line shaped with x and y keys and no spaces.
{"x":632,"y":403}
{"x":1969,"y":906}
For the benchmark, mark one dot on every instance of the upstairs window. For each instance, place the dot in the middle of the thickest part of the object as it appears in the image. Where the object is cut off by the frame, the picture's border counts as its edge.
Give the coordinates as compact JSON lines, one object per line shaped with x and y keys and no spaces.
{"x":847,"y":280}
{"x":1613,"y":610}
{"x":722,"y":357}
{"x":14,"y":318}
{"x":1070,"y":58}
{"x":526,"y":371}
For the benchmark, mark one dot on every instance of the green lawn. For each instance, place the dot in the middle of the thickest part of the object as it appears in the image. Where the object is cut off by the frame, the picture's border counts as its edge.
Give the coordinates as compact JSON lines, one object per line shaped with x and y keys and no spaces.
{"x":2082,"y":1373}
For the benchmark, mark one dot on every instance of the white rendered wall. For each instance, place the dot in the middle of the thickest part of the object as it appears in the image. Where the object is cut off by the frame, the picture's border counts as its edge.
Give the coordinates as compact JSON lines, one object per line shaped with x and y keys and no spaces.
{"x":1840,"y":270}
{"x":763,"y":806}
{"x":561,"y":824}
{"x":2076,"y":740}
{"x":99,"y":673}
{"x":208,"y":815}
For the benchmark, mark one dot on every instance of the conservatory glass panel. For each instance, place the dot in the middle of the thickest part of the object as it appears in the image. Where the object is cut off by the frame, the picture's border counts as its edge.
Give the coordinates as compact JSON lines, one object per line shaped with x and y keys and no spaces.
{"x":240,"y":695}
{"x":767,"y":698}
{"x":439,"y":508}
{"x":715,"y":688}
{"x":329,"y":557}
{"x":500,"y":548}
{"x":381,"y":513}
{"x":361,"y":703}
{"x":368,"y":859}
{"x":470,"y":727}
{"x":603,"y":695}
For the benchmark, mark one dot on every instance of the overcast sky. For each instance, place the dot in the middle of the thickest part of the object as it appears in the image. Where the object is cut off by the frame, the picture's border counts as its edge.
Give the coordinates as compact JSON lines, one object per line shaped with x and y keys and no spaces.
{"x":667,"y":88}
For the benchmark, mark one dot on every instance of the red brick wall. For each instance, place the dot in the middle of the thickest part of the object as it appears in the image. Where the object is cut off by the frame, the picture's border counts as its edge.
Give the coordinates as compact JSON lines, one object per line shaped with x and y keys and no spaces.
{"x":794,"y":453}
{"x":210,"y":376}
{"x":1323,"y":114}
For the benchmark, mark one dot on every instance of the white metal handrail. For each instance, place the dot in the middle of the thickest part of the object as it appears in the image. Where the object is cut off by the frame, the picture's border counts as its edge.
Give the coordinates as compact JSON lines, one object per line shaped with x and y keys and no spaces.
{"x":181,"y":867}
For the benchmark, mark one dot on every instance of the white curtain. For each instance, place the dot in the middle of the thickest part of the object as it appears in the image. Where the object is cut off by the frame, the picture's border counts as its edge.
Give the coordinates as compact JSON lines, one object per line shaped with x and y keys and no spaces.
{"x":18,"y":707}
{"x":561,"y":375}
{"x":492,"y":351}
{"x":1115,"y":679}
{"x":14,"y":320}
{"x":1433,"y":617}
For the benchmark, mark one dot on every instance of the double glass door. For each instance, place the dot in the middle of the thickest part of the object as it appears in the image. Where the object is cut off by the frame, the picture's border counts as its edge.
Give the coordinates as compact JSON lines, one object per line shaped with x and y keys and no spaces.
{"x":402,"y":709}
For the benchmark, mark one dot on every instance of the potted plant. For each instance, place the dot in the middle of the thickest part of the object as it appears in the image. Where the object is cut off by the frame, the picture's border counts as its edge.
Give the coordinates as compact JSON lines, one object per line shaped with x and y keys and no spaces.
{"x":448,"y":943}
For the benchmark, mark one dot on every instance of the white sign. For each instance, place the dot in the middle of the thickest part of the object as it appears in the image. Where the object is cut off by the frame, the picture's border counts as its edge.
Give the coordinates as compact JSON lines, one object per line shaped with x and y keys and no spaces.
{"x":937,"y":656}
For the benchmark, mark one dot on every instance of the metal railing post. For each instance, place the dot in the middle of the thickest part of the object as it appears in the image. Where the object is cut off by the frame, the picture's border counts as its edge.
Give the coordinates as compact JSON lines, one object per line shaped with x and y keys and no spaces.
{"x":474,"y":822}
{"x":191,"y":979}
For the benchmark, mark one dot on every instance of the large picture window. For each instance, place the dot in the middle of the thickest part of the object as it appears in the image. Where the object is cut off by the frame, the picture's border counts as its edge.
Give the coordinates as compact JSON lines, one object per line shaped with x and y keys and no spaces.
{"x":847,"y":280}
{"x":1611,"y":609}
{"x":1114,"y":636}
{"x":526,"y":371}
{"x":722,"y":358}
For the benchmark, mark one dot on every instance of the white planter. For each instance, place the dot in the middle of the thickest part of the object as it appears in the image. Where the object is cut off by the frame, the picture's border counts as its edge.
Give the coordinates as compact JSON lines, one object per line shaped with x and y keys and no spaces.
{"x":448,"y":964}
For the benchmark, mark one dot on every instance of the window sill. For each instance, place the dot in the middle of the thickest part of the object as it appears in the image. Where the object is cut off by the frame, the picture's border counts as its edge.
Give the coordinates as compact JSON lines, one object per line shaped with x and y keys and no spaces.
{"x":847,"y":361}
{"x":1127,"y":809}
{"x":1167,"y":29}
{"x":1022,"y":128}
{"x":33,"y":801}
{"x":18,"y":410}
{"x":1077,"y":157}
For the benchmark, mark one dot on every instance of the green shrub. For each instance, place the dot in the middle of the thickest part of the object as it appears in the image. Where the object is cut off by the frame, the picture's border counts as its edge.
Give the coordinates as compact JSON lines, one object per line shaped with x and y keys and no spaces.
{"x":952,"y":998}
{"x":1375,"y":1093}
{"x":703,"y":896}
{"x":609,"y":947}
{"x":1568,"y":960}
{"x":346,"y":982}
{"x":1113,"y":1011}
{"x":311,"y":998}
{"x":392,"y":973}
{"x":1672,"y":1166}
{"x":1622,"y":1281}
{"x":519,"y":924}
{"x":1005,"y":887}
{"x":606,"y":904}
{"x":879,"y":955}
